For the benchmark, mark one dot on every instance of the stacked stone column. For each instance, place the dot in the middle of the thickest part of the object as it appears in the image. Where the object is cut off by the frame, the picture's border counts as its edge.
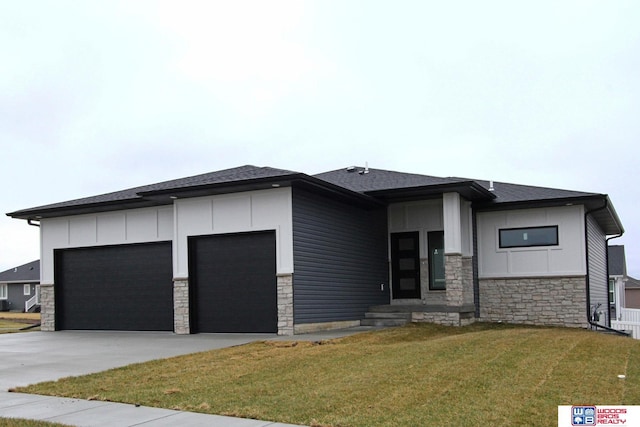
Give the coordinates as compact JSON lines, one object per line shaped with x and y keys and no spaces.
{"x":181,"y":306}
{"x":47,"y":308}
{"x":285,"y":304}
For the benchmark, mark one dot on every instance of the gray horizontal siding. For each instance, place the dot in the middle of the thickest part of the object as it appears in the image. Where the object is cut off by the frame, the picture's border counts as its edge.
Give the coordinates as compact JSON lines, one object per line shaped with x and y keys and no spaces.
{"x":16,"y":297}
{"x":597,"y":258}
{"x":340,"y":259}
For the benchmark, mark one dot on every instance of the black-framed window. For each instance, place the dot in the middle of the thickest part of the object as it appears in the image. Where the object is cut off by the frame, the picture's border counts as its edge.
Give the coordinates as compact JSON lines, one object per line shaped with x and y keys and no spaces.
{"x":528,"y":237}
{"x":437,"y":280}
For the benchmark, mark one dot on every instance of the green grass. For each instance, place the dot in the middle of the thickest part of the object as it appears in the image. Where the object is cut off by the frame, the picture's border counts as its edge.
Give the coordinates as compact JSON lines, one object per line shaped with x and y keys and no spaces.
{"x":483,"y":374}
{"x":15,"y":422}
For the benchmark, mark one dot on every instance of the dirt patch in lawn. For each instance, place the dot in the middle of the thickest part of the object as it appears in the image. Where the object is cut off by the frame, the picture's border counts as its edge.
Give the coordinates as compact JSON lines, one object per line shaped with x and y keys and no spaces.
{"x":11,"y":322}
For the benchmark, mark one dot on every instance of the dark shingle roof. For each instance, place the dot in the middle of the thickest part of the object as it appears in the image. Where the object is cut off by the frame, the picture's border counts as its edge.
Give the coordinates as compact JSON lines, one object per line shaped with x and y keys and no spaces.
{"x":242,"y":173}
{"x":395,"y":186}
{"x":29,"y":272}
{"x":510,"y":193}
{"x":378,"y":179}
{"x":617,"y":261}
{"x":135,"y":195}
{"x":356,"y":184}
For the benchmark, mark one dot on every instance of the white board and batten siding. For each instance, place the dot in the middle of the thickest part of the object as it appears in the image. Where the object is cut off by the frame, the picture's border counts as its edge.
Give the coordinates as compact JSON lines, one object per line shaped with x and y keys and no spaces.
{"x":240,"y":212}
{"x":565,"y":259}
{"x":101,"y":229}
{"x":235,"y":213}
{"x":428,"y":215}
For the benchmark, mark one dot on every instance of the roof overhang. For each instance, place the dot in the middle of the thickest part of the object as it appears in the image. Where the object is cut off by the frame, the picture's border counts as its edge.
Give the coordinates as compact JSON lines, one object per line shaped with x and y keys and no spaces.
{"x":21,"y":282}
{"x":597,"y":205}
{"x":299,"y":180}
{"x":86,"y":208}
{"x":470,"y":190}
{"x":167,"y":196}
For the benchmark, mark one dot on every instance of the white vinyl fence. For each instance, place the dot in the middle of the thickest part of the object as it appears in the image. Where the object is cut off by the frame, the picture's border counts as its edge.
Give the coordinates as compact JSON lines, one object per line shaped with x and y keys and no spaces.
{"x":628,"y":320}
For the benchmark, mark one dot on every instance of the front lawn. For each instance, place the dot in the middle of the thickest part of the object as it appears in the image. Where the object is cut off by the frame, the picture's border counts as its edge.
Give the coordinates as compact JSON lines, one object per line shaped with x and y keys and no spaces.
{"x":16,"y":422}
{"x":484,"y":374}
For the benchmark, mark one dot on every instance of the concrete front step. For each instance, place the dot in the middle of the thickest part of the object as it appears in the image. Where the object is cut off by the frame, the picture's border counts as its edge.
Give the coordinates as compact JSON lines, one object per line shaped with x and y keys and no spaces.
{"x":372,"y":318}
{"x":383,"y":322}
{"x":382,"y":315}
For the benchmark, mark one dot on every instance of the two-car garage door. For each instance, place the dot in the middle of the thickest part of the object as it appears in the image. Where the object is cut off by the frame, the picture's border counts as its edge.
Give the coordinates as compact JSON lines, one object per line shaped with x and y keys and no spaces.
{"x":232,"y":282}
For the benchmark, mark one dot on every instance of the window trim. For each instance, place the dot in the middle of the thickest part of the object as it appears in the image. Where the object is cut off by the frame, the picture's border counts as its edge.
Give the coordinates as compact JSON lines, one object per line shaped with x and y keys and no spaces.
{"x":612,"y":291}
{"x":502,"y":246}
{"x":4,"y":294}
{"x":26,"y":289}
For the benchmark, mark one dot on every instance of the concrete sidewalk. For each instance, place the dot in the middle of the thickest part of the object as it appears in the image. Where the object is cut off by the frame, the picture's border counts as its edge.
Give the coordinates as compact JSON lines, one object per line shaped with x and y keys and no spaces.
{"x":94,"y":413}
{"x":32,"y":357}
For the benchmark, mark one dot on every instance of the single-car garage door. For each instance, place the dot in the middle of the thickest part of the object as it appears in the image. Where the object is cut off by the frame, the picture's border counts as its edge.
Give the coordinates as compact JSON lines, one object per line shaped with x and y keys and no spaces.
{"x":125,"y":287}
{"x":232,"y":281}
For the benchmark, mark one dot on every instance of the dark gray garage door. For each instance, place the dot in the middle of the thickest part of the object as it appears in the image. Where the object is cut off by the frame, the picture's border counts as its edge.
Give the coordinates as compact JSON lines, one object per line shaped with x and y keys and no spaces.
{"x":126,"y":288}
{"x":232,"y":281}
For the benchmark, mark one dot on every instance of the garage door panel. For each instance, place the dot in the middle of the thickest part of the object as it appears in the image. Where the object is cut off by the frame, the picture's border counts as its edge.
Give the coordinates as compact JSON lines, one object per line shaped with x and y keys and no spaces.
{"x":233,"y":278}
{"x":127,"y":287}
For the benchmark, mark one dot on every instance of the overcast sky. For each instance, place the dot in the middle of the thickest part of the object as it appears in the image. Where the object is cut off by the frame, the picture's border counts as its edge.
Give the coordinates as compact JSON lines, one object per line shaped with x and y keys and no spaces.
{"x":105,"y":95}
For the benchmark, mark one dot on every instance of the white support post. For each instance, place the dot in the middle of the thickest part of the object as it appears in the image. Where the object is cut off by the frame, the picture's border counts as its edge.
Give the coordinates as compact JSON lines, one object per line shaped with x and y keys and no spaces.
{"x":452,"y":224}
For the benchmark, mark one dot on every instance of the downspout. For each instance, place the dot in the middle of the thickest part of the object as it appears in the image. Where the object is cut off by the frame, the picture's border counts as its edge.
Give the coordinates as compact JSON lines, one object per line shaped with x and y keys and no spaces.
{"x":30,"y":222}
{"x":587,"y":278}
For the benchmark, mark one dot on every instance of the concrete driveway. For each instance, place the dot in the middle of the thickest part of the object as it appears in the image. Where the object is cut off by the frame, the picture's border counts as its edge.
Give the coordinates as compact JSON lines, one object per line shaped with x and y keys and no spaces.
{"x":33,"y":357}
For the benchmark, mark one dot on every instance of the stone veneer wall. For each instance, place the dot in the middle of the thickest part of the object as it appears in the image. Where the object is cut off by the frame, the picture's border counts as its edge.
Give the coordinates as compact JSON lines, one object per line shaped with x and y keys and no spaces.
{"x":453,"y":279}
{"x":467,"y":280}
{"x":181,"y":306}
{"x":47,"y":308}
{"x":285,"y":304}
{"x":557,"y":301}
{"x":459,"y":295}
{"x":459,"y":280}
{"x":443,"y":318}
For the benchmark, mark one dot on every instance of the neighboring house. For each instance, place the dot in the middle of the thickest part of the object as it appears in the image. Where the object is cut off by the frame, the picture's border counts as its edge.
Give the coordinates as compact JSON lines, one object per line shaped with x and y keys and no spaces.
{"x":632,"y":293}
{"x":258,"y":249}
{"x":20,"y":285}
{"x":617,"y":277}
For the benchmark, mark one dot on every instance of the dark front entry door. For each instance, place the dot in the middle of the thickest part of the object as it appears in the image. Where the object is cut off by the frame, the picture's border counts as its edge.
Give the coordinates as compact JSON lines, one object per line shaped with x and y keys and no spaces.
{"x":405,"y":265}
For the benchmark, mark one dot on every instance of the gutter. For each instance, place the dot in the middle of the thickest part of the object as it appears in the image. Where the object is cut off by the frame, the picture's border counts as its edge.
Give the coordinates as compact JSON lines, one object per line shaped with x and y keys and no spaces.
{"x":587,"y":277}
{"x":30,"y":222}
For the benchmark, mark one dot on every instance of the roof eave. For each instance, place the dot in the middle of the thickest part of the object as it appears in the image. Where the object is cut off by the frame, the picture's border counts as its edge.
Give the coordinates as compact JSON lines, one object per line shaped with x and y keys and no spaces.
{"x":471,"y":190}
{"x":17,"y":281}
{"x":609,"y":221}
{"x":166,"y":196}
{"x":37,"y":213}
{"x":250,"y":184}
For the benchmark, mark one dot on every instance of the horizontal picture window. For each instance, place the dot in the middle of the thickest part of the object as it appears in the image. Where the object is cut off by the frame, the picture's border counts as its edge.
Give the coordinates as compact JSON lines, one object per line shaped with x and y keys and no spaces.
{"x":529,"y":236}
